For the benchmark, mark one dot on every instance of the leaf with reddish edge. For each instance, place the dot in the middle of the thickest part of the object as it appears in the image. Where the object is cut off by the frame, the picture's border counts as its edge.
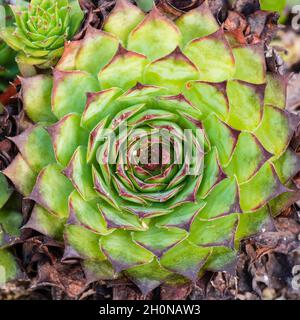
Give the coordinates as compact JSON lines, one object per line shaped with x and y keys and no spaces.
{"x":97,"y":48}
{"x":171,"y":71}
{"x":86,"y":214}
{"x":287,"y":166}
{"x":125,"y":70}
{"x":208,"y":97}
{"x":117,"y":219}
{"x":259,"y":190}
{"x":276,"y":129}
{"x":96,"y":270}
{"x":122,"y":252}
{"x":84,"y":242}
{"x":214,"y":233}
{"x":148,"y":277}
{"x":248,"y":157}
{"x":67,"y":62}
{"x":44,"y":192}
{"x":21,"y":175}
{"x":69,"y":91}
{"x":276,"y":90}
{"x":284,"y":200}
{"x":168,"y":239}
{"x":158,"y":30}
{"x":46,"y":223}
{"x":147,"y":212}
{"x":222,"y":136}
{"x":96,"y":104}
{"x":197,"y":23}
{"x":96,"y":137}
{"x":213,"y":174}
{"x":250,"y":223}
{"x":213,"y":57}
{"x":38,"y":89}
{"x":123,"y":19}
{"x":181,"y":217}
{"x":250,"y":63}
{"x":5,"y":190}
{"x":67,"y":135}
{"x":104,"y":191}
{"x":222,"y":259}
{"x":246,"y":102}
{"x":80,"y":174}
{"x":36,"y":147}
{"x":186,"y":259}
{"x":227,"y":190}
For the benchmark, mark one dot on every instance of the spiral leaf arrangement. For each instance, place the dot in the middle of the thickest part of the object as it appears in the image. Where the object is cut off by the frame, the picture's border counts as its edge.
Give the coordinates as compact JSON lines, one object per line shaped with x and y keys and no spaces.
{"x":97,"y":165}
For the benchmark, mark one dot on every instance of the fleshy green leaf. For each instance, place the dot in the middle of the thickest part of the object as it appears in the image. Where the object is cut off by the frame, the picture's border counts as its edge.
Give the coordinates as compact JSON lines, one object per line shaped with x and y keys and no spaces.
{"x":197,"y":23}
{"x":122,"y":252}
{"x":8,"y":267}
{"x":250,"y":64}
{"x":167,"y":239}
{"x":217,"y":232}
{"x":35,"y":147}
{"x":66,"y":136}
{"x":208,"y":97}
{"x":246,"y":105}
{"x":22,"y":176}
{"x":125,"y":70}
{"x":84,"y":242}
{"x":46,"y":223}
{"x":171,"y":71}
{"x":45,"y":192}
{"x":213,"y":57}
{"x":96,"y":50}
{"x":158,"y":30}
{"x":221,"y":136}
{"x":263,"y":187}
{"x":185,"y":259}
{"x":124,"y":17}
{"x":5,"y":190}
{"x":276,"y":129}
{"x":86,"y":214}
{"x":80,"y":173}
{"x":69,"y":91}
{"x":36,"y":94}
{"x":222,"y":200}
{"x":148,"y":277}
{"x":248,"y":157}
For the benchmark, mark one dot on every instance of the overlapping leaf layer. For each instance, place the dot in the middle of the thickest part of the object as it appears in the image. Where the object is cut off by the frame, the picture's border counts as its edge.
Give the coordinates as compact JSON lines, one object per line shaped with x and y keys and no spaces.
{"x":154,"y":222}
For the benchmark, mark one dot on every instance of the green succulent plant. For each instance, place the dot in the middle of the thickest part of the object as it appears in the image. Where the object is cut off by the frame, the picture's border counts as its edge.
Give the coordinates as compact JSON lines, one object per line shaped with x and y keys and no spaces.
{"x":40,"y":31}
{"x":8,"y":66}
{"x":163,"y":220}
{"x":10,"y":221}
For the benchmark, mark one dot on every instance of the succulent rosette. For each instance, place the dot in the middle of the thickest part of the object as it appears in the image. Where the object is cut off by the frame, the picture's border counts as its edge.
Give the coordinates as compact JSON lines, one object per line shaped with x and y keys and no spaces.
{"x":41,"y":29}
{"x":163,"y":220}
